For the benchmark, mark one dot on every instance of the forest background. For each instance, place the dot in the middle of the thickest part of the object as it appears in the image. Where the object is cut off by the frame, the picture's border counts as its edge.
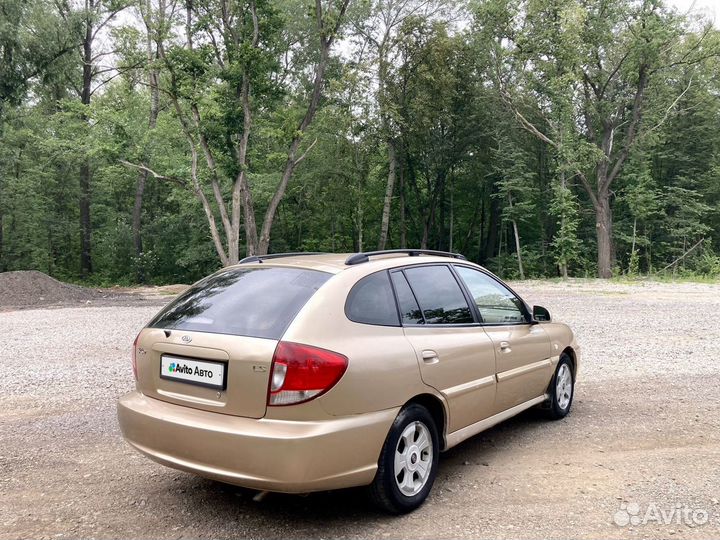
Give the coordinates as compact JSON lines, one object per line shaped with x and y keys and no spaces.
{"x":152,"y":141}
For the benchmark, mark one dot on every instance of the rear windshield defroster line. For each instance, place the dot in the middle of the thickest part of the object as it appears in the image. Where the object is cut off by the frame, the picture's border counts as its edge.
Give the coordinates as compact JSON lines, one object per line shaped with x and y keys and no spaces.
{"x":253,"y":302}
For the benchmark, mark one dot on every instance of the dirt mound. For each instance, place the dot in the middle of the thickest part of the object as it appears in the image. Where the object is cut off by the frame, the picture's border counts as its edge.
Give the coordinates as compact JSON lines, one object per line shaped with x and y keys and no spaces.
{"x":32,"y":288}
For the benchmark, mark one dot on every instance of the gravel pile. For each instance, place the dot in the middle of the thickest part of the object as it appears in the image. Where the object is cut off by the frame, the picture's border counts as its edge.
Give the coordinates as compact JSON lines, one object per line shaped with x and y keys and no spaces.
{"x":30,"y":288}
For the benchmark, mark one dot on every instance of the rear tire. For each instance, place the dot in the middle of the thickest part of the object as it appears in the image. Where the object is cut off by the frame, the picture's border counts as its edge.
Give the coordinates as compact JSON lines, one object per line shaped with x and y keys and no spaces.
{"x":408,"y":462}
{"x":562,"y":389}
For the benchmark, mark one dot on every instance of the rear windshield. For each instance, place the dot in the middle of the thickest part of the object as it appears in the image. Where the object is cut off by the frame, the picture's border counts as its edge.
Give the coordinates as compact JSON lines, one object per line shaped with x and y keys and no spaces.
{"x":255,"y":302}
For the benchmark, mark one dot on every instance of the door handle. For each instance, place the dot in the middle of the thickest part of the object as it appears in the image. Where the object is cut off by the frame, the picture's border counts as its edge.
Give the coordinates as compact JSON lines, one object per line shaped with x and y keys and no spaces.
{"x":505,"y":346}
{"x":430,"y":357}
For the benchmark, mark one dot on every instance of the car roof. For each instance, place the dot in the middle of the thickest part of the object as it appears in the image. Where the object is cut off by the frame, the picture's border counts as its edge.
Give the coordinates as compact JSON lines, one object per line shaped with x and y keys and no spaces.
{"x":334,"y":263}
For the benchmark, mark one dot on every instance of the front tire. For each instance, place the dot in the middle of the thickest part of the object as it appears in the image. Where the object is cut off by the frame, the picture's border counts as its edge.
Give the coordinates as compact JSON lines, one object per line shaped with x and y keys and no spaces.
{"x":562,"y":389}
{"x":408,"y":462}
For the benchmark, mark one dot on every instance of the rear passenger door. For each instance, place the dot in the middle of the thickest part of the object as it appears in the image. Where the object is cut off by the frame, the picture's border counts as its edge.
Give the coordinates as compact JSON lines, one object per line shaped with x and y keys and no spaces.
{"x":454,"y":353}
{"x":522,"y":349}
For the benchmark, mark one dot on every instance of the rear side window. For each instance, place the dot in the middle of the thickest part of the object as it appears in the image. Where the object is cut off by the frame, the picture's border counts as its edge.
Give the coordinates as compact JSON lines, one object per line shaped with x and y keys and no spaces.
{"x":439,"y":295}
{"x":254,"y":302}
{"x":371,"y":301}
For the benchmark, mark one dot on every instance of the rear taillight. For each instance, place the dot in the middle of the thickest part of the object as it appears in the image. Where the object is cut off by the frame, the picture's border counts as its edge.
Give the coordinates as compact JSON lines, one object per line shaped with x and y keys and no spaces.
{"x":300,"y":373}
{"x":134,"y":356}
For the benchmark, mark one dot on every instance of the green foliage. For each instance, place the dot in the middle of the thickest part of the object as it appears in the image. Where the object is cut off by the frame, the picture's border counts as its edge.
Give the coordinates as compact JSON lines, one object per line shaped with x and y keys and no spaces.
{"x":466,"y":169}
{"x":566,"y":245}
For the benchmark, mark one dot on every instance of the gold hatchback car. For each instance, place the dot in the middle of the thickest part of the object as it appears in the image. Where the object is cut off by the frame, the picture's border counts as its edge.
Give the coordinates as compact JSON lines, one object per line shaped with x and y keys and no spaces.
{"x":306,"y":372}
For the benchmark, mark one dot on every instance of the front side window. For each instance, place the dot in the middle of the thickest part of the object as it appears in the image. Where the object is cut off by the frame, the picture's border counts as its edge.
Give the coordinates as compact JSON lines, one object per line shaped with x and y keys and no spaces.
{"x":371,"y":301}
{"x":439,"y":295}
{"x":497,"y":305}
{"x":254,"y":302}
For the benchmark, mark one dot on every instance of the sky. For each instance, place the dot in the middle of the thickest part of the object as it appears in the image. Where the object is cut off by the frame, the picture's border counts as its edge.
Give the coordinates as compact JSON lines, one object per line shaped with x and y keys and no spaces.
{"x":710,"y":8}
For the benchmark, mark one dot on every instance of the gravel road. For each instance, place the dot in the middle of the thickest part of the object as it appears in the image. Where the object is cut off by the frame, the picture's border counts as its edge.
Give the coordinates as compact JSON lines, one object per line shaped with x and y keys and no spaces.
{"x":643,"y":437}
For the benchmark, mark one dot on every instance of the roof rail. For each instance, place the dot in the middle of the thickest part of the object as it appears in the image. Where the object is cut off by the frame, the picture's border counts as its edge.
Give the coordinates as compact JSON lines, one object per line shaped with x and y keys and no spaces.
{"x":261,"y":258}
{"x":359,"y":258}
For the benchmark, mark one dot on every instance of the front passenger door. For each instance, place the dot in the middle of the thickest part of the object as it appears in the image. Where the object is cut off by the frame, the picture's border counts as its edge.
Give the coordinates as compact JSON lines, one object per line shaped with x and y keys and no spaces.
{"x":455,"y":355}
{"x":522,"y":350}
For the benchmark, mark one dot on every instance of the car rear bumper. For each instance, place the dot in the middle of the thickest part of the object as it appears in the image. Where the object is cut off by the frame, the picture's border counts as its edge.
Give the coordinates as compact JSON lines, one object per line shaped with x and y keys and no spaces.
{"x":273,"y":455}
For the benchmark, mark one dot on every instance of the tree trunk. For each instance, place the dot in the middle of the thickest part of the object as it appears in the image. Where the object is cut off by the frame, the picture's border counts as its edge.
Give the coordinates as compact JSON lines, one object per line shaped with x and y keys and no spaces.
{"x":452,"y":218}
{"x":333,"y":231}
{"x":491,"y":241}
{"x":603,"y":226}
{"x":387,"y":206}
{"x":471,"y":227}
{"x":502,"y":234}
{"x":136,"y":224}
{"x":403,"y":226}
{"x":359,"y":224}
{"x":85,"y":224}
{"x":241,"y":194}
{"x":152,"y":122}
{"x":85,"y":167}
{"x":2,"y":259}
{"x":517,"y":249}
{"x":563,"y":263}
{"x":264,"y":240}
{"x":517,"y":241}
{"x":634,"y":263}
{"x":437,"y":195}
{"x":428,"y":224}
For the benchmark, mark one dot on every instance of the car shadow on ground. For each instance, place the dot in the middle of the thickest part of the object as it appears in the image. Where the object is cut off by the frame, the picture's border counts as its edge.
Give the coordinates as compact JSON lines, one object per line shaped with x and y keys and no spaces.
{"x":313,"y":512}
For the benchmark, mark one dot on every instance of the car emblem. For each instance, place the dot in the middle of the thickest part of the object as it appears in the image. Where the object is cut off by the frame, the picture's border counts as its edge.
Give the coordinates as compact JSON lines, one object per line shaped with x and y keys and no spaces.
{"x":187,"y":339}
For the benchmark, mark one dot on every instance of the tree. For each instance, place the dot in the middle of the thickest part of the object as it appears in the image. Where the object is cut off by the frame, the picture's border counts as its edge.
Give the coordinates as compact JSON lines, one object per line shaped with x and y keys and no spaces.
{"x":89,"y":22}
{"x":31,"y":39}
{"x":565,"y":243}
{"x":152,"y":19}
{"x":622,"y":47}
{"x":515,"y":187}
{"x":438,"y":123}
{"x":240,"y":47}
{"x":378,"y":28}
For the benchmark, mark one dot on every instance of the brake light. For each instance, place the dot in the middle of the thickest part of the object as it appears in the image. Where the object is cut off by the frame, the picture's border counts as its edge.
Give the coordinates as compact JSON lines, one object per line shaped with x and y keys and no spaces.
{"x":301,"y":373}
{"x":134,"y":356}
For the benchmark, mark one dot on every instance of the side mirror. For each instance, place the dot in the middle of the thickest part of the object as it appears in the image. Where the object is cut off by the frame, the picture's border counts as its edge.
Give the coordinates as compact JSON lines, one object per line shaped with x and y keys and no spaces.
{"x":540,"y":314}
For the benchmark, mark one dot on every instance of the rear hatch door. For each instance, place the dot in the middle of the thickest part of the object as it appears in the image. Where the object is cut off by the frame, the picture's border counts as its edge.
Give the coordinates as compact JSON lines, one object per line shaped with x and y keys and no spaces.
{"x":212,"y":347}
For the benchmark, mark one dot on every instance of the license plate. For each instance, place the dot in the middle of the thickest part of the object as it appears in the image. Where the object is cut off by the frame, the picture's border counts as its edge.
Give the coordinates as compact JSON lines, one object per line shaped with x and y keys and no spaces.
{"x":200,"y":372}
